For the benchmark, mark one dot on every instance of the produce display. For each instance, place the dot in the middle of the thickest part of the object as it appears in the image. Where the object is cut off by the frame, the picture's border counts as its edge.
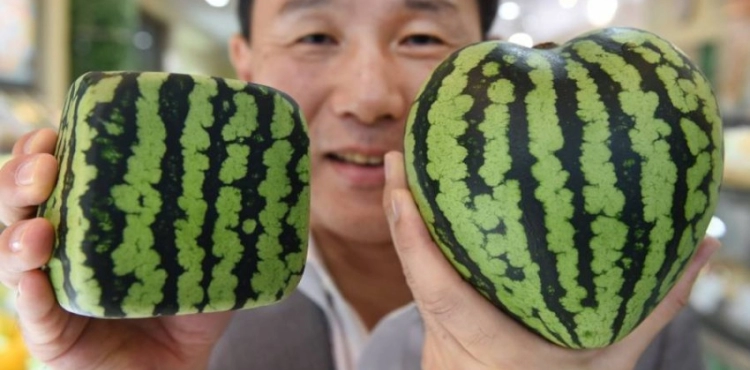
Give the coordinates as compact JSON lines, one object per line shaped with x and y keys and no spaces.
{"x":569,"y":184}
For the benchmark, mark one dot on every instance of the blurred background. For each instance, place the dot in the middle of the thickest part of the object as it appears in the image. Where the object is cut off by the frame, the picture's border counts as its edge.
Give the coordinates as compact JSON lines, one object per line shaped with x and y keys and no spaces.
{"x":46,"y":44}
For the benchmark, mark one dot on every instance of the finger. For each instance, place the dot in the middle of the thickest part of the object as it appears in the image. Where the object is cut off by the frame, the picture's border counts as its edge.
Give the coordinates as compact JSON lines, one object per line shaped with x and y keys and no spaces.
{"x":38,"y":141}
{"x":25,"y":182}
{"x":48,"y":330}
{"x":24,"y":246}
{"x":675,"y":300}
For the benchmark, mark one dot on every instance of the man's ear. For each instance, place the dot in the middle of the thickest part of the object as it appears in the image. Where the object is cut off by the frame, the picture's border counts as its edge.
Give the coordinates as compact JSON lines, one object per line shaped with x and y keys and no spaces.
{"x":241,"y":57}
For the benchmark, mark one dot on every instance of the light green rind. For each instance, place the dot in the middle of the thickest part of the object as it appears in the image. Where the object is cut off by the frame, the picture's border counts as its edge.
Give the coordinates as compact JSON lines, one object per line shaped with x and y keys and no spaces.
{"x":268,"y":280}
{"x":62,"y":150}
{"x":83,"y":277}
{"x":195,"y":141}
{"x":658,"y":172}
{"x":605,"y":201}
{"x":141,"y":202}
{"x":227,"y":246}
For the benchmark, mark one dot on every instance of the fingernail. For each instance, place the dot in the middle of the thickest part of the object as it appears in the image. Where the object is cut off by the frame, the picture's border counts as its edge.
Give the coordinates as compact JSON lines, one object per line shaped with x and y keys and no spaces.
{"x":28,"y":145}
{"x":25,"y":173}
{"x":15,"y":239}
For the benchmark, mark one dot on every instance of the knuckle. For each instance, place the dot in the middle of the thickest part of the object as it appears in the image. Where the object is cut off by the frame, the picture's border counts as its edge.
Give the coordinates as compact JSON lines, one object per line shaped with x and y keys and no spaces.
{"x":8,"y":277}
{"x":18,"y":202}
{"x":21,"y":145}
{"x":41,"y":140}
{"x":682,"y":300}
{"x":10,"y":281}
{"x":10,"y":216}
{"x":48,"y":141}
{"x":32,"y":197}
{"x":441,"y":303}
{"x":480,"y":337}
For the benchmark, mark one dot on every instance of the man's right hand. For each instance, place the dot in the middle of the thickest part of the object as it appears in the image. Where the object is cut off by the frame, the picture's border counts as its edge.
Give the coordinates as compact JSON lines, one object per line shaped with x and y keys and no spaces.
{"x":54,"y":336}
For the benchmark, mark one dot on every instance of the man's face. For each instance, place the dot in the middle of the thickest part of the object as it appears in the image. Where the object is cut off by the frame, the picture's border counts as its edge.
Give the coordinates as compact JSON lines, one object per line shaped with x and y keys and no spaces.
{"x":354,"y":67}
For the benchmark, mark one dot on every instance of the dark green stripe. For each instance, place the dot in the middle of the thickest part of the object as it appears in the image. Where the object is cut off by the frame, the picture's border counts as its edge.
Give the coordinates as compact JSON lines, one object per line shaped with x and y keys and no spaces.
{"x":602,"y":203}
{"x":294,"y":235}
{"x":416,"y":153}
{"x":203,"y":106}
{"x":668,"y":110}
{"x":534,"y":223}
{"x":627,"y":165}
{"x":447,"y":167}
{"x":110,"y":146}
{"x":59,"y":265}
{"x":268,"y":281}
{"x":136,"y":261}
{"x":172,"y":111}
{"x":581,"y":293}
{"x":473,"y":139}
{"x":707,"y":119}
{"x":192,"y":236}
{"x":97,"y":89}
{"x":252,"y":106}
{"x":546,"y":140}
{"x":439,"y":125}
{"x":236,"y":119}
{"x":508,"y":266}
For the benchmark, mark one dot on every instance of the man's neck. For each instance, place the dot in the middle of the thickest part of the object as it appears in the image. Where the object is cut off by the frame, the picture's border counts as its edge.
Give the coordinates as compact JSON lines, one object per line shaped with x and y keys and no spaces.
{"x":369,"y":277}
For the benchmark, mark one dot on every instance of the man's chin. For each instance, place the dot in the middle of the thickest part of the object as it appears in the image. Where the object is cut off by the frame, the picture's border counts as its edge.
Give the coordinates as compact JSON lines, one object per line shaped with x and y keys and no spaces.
{"x":348,"y":228}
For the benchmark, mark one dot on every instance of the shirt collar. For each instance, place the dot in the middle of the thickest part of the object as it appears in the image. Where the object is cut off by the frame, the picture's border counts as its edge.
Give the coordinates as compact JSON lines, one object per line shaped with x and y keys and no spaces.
{"x":348,"y":333}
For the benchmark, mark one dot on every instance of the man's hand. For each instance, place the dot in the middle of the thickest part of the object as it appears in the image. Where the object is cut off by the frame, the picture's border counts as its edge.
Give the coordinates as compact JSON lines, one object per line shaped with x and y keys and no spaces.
{"x":465,"y":331}
{"x":53,"y":335}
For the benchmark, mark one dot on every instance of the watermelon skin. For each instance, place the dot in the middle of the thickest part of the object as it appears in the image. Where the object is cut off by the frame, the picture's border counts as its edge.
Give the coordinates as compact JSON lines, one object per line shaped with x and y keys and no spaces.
{"x":569,"y":184}
{"x":177,"y":194}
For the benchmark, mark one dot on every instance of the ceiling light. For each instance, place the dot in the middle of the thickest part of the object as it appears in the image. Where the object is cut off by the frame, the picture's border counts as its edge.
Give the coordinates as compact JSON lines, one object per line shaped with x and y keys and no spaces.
{"x":143,"y":40}
{"x":509,"y":11}
{"x":601,"y":12}
{"x":716,"y":228}
{"x":523,"y":39}
{"x":218,"y":3}
{"x":567,"y":4}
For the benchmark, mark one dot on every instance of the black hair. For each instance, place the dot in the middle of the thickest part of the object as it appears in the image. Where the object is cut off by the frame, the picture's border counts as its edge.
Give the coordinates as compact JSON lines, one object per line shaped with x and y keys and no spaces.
{"x":487,"y":12}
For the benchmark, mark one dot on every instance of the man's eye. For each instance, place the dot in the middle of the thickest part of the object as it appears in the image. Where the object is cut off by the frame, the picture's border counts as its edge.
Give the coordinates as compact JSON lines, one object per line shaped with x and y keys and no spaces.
{"x":422,"y":40}
{"x":317,"y":39}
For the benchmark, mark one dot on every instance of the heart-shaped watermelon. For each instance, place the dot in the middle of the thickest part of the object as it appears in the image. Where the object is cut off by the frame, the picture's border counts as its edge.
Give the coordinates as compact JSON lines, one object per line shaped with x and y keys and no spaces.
{"x":568,"y":184}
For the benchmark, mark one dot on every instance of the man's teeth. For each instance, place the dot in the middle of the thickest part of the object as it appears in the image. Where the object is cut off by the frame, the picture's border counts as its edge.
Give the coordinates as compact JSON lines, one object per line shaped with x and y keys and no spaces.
{"x":361,"y":159}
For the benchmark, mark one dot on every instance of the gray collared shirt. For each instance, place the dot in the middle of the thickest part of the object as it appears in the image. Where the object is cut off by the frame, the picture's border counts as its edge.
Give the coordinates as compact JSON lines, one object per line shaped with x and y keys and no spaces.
{"x":315,"y":329}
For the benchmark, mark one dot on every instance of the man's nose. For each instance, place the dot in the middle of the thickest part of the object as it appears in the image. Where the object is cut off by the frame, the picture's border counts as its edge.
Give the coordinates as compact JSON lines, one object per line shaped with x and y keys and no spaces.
{"x":368,"y":88}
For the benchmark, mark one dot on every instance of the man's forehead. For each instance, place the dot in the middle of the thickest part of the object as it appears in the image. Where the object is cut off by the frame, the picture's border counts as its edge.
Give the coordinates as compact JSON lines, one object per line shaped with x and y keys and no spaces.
{"x":434,"y":5}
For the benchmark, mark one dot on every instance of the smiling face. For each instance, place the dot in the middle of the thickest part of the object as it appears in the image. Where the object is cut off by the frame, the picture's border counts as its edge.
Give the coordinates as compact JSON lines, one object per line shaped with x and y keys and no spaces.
{"x":354,"y":67}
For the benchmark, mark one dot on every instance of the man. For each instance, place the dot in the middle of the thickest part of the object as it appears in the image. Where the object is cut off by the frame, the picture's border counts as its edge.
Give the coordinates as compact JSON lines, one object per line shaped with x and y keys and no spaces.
{"x":354,"y":66}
